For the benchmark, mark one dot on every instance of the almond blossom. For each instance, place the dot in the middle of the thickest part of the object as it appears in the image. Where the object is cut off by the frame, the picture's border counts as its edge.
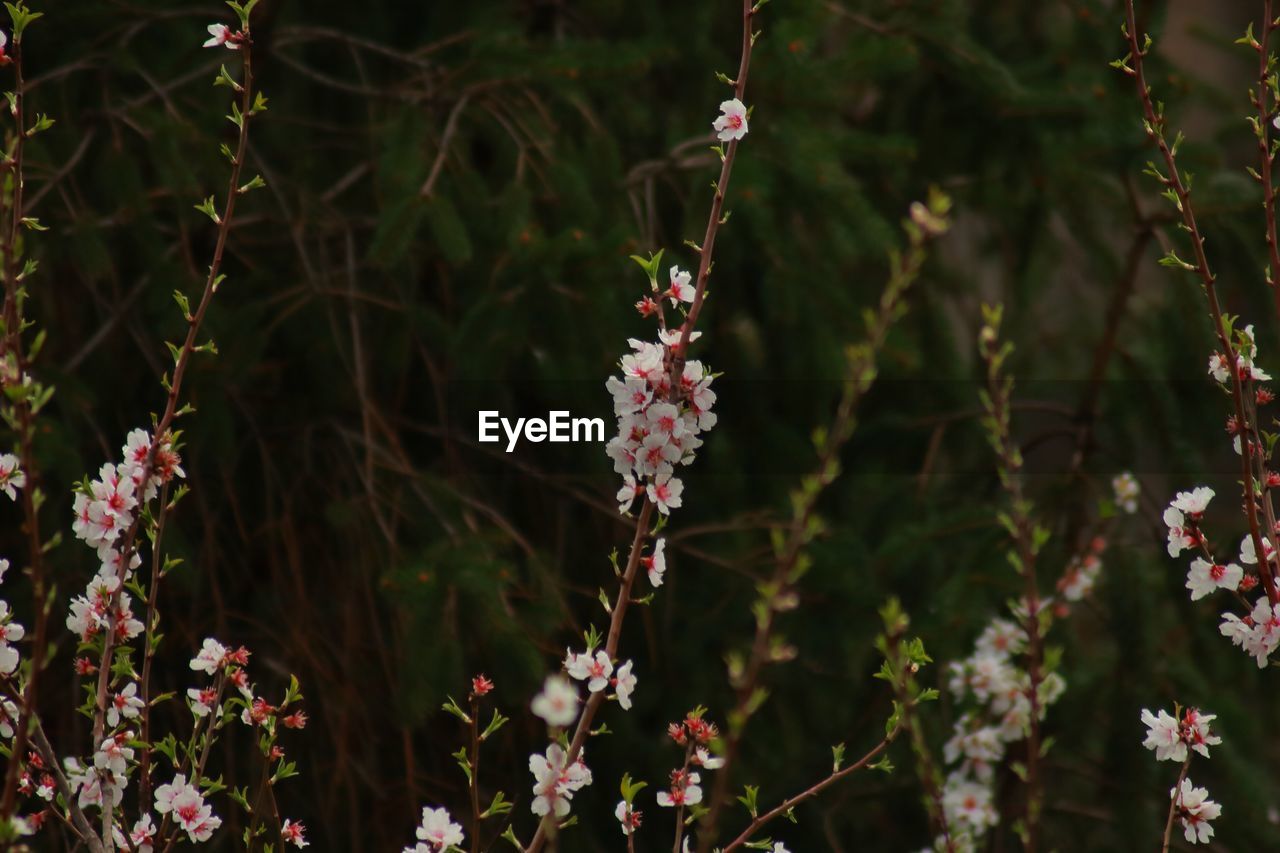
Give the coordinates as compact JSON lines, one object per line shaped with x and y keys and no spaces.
{"x":1249,"y":553}
{"x":557,"y":704}
{"x":732,"y":123}
{"x":655,"y":565}
{"x":627,"y":816}
{"x":659,"y":427}
{"x":556,"y":781}
{"x":665,"y":490}
{"x":681,"y":289}
{"x":10,"y":632}
{"x":624,"y":684}
{"x":593,"y":670}
{"x":685,"y":790}
{"x":125,"y":704}
{"x":1126,"y":489}
{"x":1170,"y":736}
{"x":1205,"y":577}
{"x":1183,"y":534}
{"x":1194,"y":810}
{"x":210,"y":658}
{"x":12,"y":477}
{"x":295,"y":834}
{"x":1193,"y":503}
{"x":221,"y":35}
{"x":968,"y":804}
{"x":704,"y":759}
{"x":436,"y":832}
{"x":1258,"y":633}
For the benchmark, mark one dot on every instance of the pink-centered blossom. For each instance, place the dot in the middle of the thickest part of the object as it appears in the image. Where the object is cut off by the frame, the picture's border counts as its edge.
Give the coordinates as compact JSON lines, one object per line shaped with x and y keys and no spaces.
{"x":1194,"y":810}
{"x":12,"y":476}
{"x":437,"y":831}
{"x":685,"y":790}
{"x":296,"y":833}
{"x":221,"y":35}
{"x":556,"y":780}
{"x":655,"y":565}
{"x":593,"y":669}
{"x":125,"y":705}
{"x":627,"y":816}
{"x":624,"y":684}
{"x":557,"y":704}
{"x":1205,"y":577}
{"x":681,"y":289}
{"x":665,"y":490}
{"x":731,"y":125}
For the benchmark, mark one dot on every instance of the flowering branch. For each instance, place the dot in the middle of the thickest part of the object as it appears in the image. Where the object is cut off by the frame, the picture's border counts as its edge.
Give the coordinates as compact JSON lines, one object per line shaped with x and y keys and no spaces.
{"x":45,"y":750}
{"x":682,"y":380}
{"x":1028,"y":538}
{"x":716,"y":219}
{"x":250,"y":104}
{"x":468,"y":759}
{"x":24,"y":394}
{"x":610,"y":650}
{"x":1179,"y":194}
{"x":1179,"y":737}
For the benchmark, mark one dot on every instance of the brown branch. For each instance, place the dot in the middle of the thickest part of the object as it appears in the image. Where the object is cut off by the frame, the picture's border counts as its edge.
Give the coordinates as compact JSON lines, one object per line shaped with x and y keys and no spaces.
{"x":593,"y":704}
{"x":13,"y":349}
{"x":1174,"y":801}
{"x":1266,"y":157}
{"x":1154,"y":123}
{"x":812,"y":791}
{"x":161,"y":431}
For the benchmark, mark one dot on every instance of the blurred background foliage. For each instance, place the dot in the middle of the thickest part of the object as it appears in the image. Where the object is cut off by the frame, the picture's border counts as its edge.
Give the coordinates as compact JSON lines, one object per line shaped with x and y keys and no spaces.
{"x":453,"y":190}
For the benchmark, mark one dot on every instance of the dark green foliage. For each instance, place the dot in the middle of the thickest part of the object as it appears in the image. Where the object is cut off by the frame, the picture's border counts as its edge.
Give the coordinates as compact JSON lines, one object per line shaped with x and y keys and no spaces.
{"x":346,"y":526}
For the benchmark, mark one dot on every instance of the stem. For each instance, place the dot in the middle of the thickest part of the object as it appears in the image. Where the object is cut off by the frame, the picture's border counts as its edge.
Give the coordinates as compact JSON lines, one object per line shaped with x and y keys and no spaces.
{"x":1174,"y":801}
{"x":206,"y":744}
{"x":905,"y":691}
{"x":1022,"y":530}
{"x":1266,"y":111}
{"x":1173,"y":181}
{"x":688,"y":754}
{"x":148,"y":654}
{"x":786,"y":805}
{"x":610,"y":648}
{"x":706,"y":252}
{"x":13,"y":347}
{"x":266,"y":791}
{"x":171,"y":403}
{"x":859,"y":377}
{"x":475,"y":774}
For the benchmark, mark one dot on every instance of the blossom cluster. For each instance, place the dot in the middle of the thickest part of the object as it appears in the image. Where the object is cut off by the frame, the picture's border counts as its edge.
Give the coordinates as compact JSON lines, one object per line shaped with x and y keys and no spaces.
{"x":663,"y":404}
{"x":654,"y":433}
{"x":998,"y":693}
{"x":106,"y":511}
{"x":1173,"y":737}
{"x":556,"y":780}
{"x":1258,"y":631}
{"x":995,"y":689}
